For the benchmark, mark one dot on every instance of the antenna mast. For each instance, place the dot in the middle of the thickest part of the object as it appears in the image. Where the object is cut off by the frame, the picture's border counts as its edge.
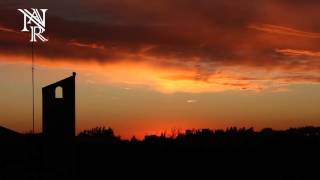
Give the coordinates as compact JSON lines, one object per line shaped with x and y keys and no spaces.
{"x":32,"y":70}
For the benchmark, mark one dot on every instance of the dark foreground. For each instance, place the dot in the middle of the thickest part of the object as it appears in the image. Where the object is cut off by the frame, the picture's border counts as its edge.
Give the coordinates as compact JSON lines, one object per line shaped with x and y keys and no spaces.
{"x":201,"y":154}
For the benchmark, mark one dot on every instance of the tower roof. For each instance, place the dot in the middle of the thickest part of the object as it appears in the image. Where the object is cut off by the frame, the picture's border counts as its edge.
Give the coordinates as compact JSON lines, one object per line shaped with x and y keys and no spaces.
{"x":61,"y":81}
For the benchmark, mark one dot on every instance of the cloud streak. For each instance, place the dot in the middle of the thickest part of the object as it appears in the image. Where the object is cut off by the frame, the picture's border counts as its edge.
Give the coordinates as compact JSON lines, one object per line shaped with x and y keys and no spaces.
{"x":4,"y":29}
{"x":274,"y":29}
{"x":90,"y":45}
{"x":295,"y":52}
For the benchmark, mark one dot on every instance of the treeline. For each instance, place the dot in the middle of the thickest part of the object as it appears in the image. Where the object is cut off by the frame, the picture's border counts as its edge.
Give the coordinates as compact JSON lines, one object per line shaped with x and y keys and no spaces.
{"x":232,"y":135}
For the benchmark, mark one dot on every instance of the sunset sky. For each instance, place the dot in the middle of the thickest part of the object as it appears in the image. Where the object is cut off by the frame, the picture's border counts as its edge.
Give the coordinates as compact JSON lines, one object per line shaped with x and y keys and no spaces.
{"x":147,"y":66}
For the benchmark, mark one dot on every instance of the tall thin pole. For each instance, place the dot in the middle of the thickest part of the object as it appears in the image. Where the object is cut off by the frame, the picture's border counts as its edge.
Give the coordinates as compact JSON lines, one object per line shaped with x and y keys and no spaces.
{"x":32,"y":70}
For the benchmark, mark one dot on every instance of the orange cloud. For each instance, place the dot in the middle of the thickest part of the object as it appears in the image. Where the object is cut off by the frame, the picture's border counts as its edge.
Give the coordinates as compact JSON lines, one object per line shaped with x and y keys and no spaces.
{"x":295,"y":52}
{"x":269,"y":28}
{"x":7,"y":29}
{"x":90,"y":45}
{"x":171,"y":80}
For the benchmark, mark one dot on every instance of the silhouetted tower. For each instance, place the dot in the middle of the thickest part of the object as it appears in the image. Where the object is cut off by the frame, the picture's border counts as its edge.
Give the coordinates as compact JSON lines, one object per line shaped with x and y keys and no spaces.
{"x":59,"y":109}
{"x":58,"y":123}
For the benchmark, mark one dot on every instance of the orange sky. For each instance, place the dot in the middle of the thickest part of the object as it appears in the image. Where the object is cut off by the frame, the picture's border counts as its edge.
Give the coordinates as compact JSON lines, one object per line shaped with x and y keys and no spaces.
{"x":149,"y":66}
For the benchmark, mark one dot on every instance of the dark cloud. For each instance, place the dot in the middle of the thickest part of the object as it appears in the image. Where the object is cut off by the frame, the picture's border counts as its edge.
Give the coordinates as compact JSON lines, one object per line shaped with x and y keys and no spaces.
{"x":214,"y":32}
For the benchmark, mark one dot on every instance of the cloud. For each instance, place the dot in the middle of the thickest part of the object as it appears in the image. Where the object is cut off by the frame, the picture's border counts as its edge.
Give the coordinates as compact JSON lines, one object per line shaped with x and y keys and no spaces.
{"x":191,"y":101}
{"x":269,"y":28}
{"x":177,"y":45}
{"x":7,"y":30}
{"x":92,"y":45}
{"x":294,"y":52}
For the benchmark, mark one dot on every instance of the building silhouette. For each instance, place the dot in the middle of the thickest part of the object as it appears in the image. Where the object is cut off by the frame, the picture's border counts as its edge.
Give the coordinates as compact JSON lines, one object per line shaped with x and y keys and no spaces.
{"x":58,"y":126}
{"x":59,"y":109}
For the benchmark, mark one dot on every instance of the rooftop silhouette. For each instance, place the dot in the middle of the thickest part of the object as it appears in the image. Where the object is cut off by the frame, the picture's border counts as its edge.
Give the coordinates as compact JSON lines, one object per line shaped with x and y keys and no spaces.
{"x":5,"y":132}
